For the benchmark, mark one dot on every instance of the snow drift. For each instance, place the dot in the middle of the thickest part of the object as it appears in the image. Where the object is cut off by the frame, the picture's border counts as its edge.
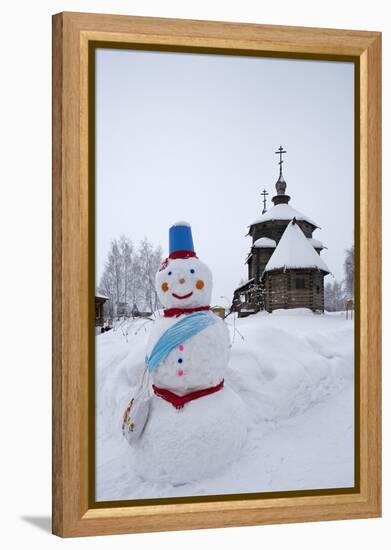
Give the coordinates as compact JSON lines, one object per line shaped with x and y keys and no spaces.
{"x":294,"y":371}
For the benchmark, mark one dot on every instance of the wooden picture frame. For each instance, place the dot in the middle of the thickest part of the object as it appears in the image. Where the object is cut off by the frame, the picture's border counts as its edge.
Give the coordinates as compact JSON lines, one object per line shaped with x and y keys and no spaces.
{"x":74,"y":34}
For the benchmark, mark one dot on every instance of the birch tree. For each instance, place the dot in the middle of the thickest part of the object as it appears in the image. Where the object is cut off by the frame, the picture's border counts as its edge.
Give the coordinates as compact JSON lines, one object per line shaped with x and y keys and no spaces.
{"x":334,"y":297}
{"x":129,"y":275}
{"x":349,"y":268}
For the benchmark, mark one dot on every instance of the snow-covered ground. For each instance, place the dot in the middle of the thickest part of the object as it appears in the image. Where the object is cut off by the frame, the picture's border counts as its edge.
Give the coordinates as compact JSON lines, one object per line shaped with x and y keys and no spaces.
{"x":295,"y":373}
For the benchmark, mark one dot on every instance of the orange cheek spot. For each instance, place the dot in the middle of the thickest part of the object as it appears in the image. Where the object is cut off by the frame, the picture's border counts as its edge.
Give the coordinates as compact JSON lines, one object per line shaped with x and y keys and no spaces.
{"x":164,"y":287}
{"x":200,"y":284}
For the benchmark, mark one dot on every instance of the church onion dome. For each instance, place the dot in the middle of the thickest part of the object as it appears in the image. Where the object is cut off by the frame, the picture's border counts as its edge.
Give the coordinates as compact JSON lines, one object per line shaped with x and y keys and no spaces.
{"x":281,"y":185}
{"x":316,"y":244}
{"x":282,"y":212}
{"x":295,"y":252}
{"x":264,"y":242}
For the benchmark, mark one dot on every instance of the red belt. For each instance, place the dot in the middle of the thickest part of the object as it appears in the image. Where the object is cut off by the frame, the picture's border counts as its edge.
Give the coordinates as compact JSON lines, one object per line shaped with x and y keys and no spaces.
{"x":179,"y":401}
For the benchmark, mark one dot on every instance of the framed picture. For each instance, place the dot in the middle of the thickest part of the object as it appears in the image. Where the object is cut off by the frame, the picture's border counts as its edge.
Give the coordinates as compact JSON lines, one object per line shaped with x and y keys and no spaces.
{"x":216,"y":274}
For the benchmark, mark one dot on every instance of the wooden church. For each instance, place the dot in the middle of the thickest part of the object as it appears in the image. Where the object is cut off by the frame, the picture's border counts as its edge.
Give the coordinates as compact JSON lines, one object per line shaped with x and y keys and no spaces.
{"x":285,"y":269}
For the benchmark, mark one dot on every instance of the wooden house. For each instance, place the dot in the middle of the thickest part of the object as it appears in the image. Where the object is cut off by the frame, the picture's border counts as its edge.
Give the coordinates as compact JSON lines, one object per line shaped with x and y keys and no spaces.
{"x":100,"y":300}
{"x":121,"y":309}
{"x":285,"y":269}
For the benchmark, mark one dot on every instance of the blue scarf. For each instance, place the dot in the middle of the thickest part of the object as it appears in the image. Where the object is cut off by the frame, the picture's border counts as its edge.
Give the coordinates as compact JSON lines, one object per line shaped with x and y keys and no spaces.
{"x":185,"y":328}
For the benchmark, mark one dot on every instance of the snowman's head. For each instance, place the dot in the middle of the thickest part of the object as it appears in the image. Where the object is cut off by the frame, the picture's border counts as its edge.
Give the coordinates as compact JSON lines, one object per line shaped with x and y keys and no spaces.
{"x":183,"y":281}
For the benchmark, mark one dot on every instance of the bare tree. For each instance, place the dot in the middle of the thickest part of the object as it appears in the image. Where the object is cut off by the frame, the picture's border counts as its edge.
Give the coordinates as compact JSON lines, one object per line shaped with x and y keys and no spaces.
{"x":129,"y":276}
{"x":110,"y":283}
{"x":126,"y":250}
{"x":334,"y":296}
{"x":149,"y":260}
{"x":349,"y":268}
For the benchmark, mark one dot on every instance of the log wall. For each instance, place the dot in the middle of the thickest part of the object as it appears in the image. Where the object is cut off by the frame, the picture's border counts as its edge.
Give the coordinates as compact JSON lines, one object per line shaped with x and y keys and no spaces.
{"x":284,"y":291}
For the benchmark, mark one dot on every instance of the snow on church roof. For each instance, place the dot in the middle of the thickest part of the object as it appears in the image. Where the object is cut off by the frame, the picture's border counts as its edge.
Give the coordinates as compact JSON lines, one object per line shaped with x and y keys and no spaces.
{"x":264,"y":242}
{"x":315,"y":243}
{"x":294,"y":251}
{"x":244,"y":284}
{"x":282,"y":212}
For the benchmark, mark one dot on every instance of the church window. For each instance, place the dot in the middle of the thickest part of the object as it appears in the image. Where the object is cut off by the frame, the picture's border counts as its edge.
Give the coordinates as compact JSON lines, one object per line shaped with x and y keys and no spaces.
{"x":300,"y":282}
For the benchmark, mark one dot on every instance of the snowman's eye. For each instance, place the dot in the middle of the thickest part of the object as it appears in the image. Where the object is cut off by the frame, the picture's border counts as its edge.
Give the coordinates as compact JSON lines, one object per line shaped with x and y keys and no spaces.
{"x":170,"y":273}
{"x":192,"y":271}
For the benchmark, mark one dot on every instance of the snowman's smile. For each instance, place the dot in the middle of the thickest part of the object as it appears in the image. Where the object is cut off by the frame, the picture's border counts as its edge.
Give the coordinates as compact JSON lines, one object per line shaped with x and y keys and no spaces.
{"x":182,"y":297}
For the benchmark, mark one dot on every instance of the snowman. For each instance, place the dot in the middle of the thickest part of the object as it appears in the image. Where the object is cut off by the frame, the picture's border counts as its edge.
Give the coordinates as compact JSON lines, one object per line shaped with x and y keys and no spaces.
{"x":196,"y":423}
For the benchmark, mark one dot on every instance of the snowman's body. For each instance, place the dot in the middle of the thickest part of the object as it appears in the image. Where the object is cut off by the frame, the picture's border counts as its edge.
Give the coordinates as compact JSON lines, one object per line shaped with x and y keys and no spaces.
{"x":206,"y":434}
{"x":199,"y":362}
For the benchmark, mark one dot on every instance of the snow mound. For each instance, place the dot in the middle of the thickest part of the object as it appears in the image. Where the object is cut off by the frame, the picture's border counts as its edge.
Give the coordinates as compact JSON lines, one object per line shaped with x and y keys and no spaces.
{"x":284,"y":366}
{"x":294,"y":373}
{"x":298,"y":312}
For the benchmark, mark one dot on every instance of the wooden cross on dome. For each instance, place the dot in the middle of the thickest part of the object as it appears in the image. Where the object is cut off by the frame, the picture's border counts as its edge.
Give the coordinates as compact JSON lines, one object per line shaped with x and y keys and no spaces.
{"x":264,"y":193}
{"x":280,"y":151}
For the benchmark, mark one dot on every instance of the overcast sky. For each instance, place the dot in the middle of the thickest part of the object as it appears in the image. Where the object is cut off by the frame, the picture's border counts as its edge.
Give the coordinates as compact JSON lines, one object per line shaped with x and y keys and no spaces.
{"x":192,"y":137}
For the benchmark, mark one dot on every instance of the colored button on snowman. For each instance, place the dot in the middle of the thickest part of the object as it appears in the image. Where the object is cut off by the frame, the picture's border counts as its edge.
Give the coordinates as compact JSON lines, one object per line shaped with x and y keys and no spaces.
{"x":181,"y":372}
